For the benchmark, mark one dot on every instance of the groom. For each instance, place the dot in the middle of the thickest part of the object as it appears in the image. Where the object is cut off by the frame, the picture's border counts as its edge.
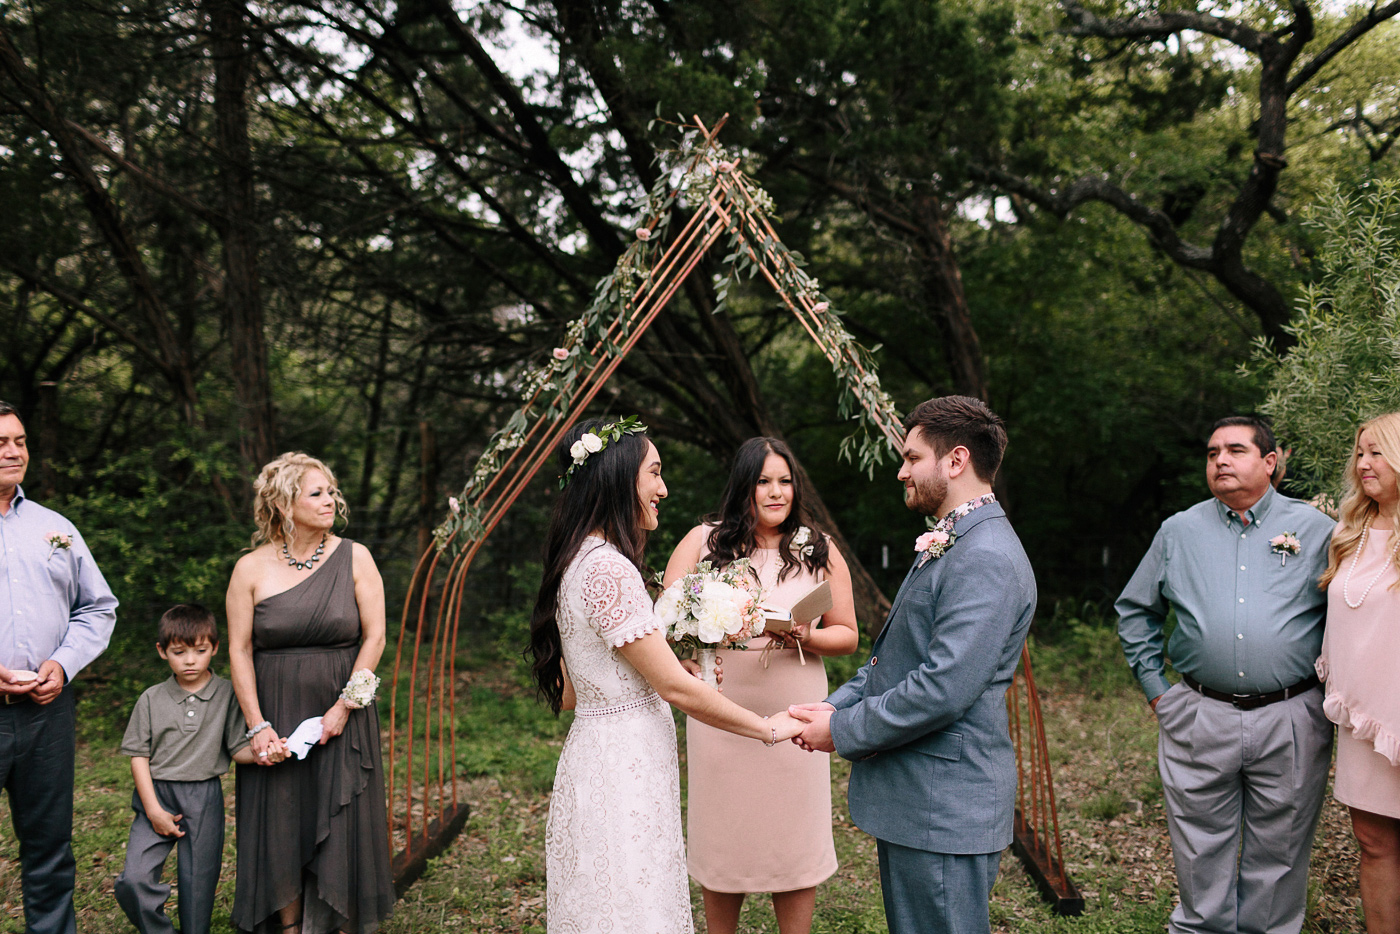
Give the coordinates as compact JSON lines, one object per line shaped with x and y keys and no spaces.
{"x":924,"y":720}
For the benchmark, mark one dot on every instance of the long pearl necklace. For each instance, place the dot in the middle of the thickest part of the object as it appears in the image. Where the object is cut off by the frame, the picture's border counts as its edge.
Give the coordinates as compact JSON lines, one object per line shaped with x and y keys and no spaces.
{"x":303,"y":565}
{"x":1346,"y":584}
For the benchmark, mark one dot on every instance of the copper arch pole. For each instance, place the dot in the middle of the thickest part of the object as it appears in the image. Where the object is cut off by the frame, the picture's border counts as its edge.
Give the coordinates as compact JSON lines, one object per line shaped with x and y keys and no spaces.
{"x":425,"y":815}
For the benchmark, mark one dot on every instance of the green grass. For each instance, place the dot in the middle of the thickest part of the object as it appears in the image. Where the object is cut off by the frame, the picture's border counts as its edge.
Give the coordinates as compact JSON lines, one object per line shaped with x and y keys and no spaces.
{"x":1103,"y":749}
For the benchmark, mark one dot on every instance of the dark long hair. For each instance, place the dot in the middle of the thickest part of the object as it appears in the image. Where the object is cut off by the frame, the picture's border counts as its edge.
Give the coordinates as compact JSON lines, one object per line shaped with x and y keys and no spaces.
{"x":600,"y":496}
{"x":733,"y":535}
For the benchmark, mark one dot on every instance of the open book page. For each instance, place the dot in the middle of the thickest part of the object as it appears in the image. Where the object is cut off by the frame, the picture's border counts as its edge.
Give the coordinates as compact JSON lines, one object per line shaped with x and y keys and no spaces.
{"x":808,"y":607}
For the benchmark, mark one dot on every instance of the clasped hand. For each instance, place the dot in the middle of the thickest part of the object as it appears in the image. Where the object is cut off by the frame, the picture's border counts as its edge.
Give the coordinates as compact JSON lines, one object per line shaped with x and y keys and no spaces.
{"x":43,"y":690}
{"x":815,"y":719}
{"x":268,"y":747}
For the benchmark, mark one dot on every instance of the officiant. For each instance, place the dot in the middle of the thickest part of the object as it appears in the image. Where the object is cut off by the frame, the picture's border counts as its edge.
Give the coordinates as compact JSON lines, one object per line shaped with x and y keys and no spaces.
{"x":761,"y":518}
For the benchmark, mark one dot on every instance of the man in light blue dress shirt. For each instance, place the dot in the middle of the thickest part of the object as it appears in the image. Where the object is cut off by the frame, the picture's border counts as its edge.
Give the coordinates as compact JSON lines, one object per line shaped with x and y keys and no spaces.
{"x":56,"y":615}
{"x":1243,"y":745}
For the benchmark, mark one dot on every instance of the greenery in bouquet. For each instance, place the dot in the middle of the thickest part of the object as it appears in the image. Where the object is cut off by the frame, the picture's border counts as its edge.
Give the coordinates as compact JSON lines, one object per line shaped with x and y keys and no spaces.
{"x":712,"y":608}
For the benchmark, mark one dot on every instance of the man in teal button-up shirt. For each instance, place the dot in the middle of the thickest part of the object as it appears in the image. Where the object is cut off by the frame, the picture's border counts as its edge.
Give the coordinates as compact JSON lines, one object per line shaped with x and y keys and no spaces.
{"x":1243,"y":746}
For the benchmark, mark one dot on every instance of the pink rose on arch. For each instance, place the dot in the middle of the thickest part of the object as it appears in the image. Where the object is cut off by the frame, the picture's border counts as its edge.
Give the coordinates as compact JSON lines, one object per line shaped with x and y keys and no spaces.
{"x":643,"y":234}
{"x":559,"y":353}
{"x":821,"y":307}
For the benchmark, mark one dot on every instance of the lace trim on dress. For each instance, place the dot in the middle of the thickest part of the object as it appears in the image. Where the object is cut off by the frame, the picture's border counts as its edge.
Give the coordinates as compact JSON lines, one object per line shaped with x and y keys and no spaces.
{"x":1365,"y":728}
{"x":615,"y":599}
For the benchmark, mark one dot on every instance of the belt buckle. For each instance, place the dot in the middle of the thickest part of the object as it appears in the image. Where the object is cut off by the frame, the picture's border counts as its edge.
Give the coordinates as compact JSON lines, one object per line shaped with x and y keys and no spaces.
{"x":1245,"y":701}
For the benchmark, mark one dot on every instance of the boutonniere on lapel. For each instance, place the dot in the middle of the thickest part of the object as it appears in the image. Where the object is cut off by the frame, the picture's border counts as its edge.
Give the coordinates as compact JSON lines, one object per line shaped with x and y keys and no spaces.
{"x":57,"y":540}
{"x":1285,"y":545}
{"x":934,"y":544}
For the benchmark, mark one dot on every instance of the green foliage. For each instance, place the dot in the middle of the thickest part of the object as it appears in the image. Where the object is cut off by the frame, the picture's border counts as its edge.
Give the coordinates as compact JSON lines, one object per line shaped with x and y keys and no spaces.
{"x":1079,"y":648}
{"x":1345,"y":367}
{"x":159,"y":532}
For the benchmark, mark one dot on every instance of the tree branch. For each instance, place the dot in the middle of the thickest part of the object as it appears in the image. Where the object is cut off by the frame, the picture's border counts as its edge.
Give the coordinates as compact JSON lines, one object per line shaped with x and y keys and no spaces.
{"x":1060,"y":203}
{"x":1161,"y":25}
{"x":1355,"y":31}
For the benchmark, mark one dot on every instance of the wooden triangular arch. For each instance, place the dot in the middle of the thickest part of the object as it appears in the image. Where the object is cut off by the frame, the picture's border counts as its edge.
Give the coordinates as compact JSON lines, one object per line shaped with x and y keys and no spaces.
{"x":705,"y":187}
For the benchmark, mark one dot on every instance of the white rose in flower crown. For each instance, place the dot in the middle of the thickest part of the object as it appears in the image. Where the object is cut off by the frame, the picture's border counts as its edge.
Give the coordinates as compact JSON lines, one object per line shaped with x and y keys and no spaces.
{"x":591,"y":443}
{"x":578,"y":452}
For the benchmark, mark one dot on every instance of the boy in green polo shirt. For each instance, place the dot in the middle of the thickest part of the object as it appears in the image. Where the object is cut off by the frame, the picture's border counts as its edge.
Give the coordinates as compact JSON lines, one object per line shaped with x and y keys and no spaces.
{"x":182,"y":735}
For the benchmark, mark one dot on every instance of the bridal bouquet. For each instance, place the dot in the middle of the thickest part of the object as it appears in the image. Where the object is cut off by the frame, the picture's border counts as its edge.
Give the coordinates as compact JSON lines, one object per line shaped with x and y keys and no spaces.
{"x":712,"y":609}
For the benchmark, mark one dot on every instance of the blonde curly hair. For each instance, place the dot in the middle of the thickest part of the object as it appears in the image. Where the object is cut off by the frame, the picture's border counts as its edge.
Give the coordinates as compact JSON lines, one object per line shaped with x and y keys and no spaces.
{"x":277,"y":488}
{"x":1357,"y":509}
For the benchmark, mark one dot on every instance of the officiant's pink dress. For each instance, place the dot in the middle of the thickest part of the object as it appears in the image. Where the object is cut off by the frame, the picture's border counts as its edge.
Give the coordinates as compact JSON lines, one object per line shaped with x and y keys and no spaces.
{"x":1360,"y":653}
{"x":759,"y":818}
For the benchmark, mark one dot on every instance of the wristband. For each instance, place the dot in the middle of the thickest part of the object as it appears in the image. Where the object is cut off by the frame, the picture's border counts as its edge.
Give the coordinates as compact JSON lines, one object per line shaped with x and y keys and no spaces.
{"x":257,"y":729}
{"x":773,"y":732}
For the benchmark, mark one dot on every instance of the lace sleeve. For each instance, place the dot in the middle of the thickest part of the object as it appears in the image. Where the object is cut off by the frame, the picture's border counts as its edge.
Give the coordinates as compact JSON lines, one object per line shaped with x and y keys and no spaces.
{"x":615,"y":598}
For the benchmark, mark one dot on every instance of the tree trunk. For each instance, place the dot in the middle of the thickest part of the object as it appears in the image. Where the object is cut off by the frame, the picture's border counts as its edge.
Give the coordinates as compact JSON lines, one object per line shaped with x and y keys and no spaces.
{"x":228,"y":20}
{"x":942,"y":279}
{"x":427,"y":485}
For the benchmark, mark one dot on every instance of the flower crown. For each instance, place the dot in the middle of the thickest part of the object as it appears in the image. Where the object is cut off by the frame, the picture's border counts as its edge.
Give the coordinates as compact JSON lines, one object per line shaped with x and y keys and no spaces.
{"x":593,"y":442}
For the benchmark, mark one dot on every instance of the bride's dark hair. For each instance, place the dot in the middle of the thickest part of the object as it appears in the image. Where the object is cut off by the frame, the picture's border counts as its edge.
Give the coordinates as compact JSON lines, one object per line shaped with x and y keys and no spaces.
{"x":733,"y":534}
{"x":601,"y":495}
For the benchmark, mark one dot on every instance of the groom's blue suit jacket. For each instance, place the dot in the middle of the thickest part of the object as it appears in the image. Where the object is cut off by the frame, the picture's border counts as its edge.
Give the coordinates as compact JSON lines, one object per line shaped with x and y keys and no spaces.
{"x":924,"y":720}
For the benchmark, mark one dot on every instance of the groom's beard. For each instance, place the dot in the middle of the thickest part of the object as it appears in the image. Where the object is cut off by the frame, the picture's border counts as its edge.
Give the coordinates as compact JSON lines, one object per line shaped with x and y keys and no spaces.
{"x":926,"y":498}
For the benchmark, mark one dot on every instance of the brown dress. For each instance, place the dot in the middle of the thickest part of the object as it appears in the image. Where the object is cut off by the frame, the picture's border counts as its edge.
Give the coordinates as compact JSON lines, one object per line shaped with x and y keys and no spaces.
{"x":759,"y":818}
{"x":313,"y":827}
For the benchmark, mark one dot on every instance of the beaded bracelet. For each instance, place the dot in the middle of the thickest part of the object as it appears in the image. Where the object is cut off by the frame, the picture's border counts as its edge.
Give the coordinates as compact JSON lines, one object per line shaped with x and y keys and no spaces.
{"x":257,"y":729}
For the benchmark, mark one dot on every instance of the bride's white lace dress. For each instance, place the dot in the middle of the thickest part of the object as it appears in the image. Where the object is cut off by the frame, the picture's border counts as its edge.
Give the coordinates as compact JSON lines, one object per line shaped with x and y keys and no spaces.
{"x":614,"y":854}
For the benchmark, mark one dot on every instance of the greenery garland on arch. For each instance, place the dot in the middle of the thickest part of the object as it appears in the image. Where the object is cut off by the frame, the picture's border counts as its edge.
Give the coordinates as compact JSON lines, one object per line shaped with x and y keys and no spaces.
{"x":697,"y":175}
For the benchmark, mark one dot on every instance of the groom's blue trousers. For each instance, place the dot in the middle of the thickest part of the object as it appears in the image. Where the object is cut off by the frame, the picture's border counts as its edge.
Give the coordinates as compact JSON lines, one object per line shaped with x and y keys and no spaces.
{"x":936,"y":893}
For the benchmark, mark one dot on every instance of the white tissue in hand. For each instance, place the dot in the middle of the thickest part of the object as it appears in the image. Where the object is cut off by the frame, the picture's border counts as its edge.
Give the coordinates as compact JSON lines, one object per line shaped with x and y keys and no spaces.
{"x":306,"y":735}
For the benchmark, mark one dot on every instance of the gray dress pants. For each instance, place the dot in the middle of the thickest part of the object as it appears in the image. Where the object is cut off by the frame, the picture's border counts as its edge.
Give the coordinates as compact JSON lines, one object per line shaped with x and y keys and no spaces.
{"x":200,"y":856}
{"x":36,"y":768}
{"x":1243,"y":792}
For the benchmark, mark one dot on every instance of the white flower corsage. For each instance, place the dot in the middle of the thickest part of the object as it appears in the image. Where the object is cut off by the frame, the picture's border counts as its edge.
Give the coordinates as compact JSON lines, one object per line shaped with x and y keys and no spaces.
{"x":801,"y":545}
{"x":1285,"y":545}
{"x":58,"y":540}
{"x":359,"y":690}
{"x":934,"y":544}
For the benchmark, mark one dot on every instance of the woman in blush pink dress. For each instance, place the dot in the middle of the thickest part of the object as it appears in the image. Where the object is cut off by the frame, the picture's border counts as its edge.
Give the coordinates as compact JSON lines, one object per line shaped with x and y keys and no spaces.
{"x":762,"y":823}
{"x":1360,"y":655}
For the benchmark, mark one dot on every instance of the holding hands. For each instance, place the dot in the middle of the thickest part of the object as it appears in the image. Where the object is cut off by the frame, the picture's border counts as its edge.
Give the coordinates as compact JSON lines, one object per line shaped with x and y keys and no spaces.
{"x":815,"y":720}
{"x":782,"y":727}
{"x":268,"y":748}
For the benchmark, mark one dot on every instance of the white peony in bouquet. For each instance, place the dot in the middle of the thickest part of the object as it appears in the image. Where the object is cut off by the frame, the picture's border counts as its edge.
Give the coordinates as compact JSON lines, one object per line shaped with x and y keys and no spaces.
{"x":710,"y":609}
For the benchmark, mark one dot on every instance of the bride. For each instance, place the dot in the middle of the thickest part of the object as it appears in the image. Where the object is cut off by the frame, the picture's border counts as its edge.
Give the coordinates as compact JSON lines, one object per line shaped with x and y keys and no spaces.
{"x":614,"y":856}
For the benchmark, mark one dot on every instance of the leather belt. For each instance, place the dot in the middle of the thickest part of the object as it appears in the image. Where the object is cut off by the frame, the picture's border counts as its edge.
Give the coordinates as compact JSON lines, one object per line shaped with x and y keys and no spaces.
{"x":1252,"y":701}
{"x":8,"y":699}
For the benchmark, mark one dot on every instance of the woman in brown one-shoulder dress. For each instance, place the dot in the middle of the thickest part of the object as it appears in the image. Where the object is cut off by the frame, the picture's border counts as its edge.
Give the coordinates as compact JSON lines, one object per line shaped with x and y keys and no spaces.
{"x":305,"y":613}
